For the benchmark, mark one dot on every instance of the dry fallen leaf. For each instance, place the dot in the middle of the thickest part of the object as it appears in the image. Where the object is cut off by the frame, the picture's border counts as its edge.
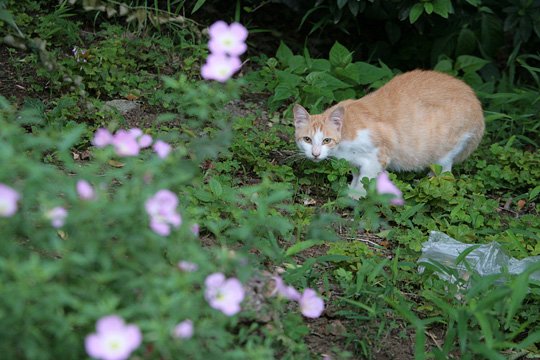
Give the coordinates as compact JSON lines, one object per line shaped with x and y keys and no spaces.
{"x":116,"y":164}
{"x":521,"y":204}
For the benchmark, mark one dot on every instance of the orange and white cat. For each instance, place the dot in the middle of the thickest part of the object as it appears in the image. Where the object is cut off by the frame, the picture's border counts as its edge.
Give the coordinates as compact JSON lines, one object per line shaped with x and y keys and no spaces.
{"x":417,"y":119}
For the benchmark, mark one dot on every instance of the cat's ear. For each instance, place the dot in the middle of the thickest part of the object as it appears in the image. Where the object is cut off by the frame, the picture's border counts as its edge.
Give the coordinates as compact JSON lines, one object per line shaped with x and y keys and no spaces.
{"x":301,"y":116}
{"x":336,"y":117}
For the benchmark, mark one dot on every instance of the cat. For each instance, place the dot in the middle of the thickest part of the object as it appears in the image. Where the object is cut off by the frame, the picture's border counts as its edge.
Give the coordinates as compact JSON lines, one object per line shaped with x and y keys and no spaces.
{"x":418,"y":118}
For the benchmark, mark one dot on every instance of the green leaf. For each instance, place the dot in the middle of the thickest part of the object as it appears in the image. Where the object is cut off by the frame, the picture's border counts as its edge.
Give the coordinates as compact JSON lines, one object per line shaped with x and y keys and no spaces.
{"x":339,"y":55}
{"x":326,"y":80}
{"x":469,"y":63}
{"x":197,"y":6}
{"x":415,"y":12}
{"x":215,"y":187}
{"x":341,"y":3}
{"x":534,"y":192}
{"x":428,"y":7}
{"x":520,"y":288}
{"x":364,"y":74}
{"x":485,"y":326}
{"x":443,"y":7}
{"x":301,"y":246}
{"x":445,"y":66}
{"x":284,"y":53}
{"x":466,"y":42}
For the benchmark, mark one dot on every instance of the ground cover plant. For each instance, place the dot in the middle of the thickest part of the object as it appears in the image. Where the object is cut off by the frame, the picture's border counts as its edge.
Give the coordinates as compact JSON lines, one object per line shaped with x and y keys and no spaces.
{"x":189,"y":226}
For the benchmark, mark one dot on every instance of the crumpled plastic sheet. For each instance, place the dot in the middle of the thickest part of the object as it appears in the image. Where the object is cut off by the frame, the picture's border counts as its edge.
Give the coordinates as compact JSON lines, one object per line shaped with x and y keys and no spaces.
{"x":487,"y":259}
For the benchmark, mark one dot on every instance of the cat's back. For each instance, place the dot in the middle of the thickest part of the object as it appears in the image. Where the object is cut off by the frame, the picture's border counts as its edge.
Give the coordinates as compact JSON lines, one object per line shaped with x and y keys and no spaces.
{"x":425,"y":85}
{"x":418,"y":117}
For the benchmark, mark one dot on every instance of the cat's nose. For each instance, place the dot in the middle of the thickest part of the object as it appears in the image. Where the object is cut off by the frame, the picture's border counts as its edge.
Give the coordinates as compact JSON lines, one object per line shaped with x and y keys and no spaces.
{"x":316,"y":156}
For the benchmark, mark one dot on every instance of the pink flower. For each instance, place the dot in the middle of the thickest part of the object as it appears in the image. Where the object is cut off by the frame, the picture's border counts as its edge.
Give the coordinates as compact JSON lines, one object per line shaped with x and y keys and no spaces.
{"x":135,"y":132}
{"x":57,"y":216}
{"x":195,"y":229}
{"x":114,"y":340}
{"x":162,"y":148}
{"x":183,"y":330}
{"x":162,"y":211}
{"x":144,"y":141}
{"x":8,"y":201}
{"x":385,"y":186}
{"x":224,"y":294}
{"x":227,"y":39}
{"x":311,"y":305}
{"x":288,"y":292}
{"x":125,"y":143}
{"x":187,"y":266}
{"x":85,"y":190}
{"x":102,"y":138}
{"x":220,"y":67}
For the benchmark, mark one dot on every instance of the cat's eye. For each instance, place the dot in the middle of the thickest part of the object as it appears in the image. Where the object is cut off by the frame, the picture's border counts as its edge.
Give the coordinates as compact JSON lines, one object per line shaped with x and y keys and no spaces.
{"x":307,"y":139}
{"x":326,"y":141}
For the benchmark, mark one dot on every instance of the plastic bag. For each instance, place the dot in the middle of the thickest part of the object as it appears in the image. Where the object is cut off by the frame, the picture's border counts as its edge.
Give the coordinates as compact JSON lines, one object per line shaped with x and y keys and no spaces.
{"x":485,"y":259}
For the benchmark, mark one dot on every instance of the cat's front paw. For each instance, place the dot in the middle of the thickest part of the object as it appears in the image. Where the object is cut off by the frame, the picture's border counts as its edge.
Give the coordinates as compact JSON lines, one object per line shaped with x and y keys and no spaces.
{"x":357,"y":192}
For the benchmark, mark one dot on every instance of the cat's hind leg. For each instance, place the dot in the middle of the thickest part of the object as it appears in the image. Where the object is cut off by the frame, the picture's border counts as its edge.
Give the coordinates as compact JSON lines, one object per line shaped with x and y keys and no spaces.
{"x":448,"y":159}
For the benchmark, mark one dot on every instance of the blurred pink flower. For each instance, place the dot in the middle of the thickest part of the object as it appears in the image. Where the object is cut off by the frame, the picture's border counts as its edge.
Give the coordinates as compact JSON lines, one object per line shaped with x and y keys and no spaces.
{"x":386,"y":186}
{"x":144,"y":141}
{"x":162,"y":211}
{"x":135,"y":132}
{"x":311,"y":305}
{"x":187,"y":266}
{"x":114,"y":340}
{"x":220,"y":67}
{"x":162,"y":148}
{"x":57,"y":216}
{"x":227,"y":39}
{"x":183,"y":330}
{"x":102,"y":138}
{"x":85,"y":190}
{"x":8,"y":201}
{"x":125,"y":143}
{"x":195,"y":228}
{"x":288,"y":292}
{"x":224,"y":294}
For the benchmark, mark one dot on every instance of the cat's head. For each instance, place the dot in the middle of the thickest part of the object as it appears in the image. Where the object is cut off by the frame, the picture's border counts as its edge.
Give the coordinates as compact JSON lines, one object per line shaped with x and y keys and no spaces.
{"x":316,"y":135}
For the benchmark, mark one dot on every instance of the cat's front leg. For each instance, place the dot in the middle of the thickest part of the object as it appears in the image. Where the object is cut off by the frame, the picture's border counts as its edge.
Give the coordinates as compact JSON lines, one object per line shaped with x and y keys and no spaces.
{"x":370,"y":169}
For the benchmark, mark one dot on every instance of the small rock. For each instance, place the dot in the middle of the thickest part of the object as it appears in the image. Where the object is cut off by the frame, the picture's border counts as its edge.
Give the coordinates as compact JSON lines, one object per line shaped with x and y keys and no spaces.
{"x":123,"y":106}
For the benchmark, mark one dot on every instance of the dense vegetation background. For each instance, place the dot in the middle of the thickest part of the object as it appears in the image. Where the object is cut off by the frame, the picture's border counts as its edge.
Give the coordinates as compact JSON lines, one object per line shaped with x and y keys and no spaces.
{"x":68,"y":68}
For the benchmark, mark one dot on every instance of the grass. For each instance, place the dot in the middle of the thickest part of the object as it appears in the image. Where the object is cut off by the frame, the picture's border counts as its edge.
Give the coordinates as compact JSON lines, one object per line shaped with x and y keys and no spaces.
{"x":253,"y":195}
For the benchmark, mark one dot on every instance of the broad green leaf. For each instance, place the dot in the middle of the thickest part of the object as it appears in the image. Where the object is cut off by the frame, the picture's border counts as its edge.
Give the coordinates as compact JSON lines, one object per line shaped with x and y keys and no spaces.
{"x":284,"y":53}
{"x":341,"y":3}
{"x":326,"y":80}
{"x":466,"y":42}
{"x":534,"y":193}
{"x":428,"y":7}
{"x":443,"y":7}
{"x":415,"y":12}
{"x":491,"y":34}
{"x":469,"y":63}
{"x":215,"y":187}
{"x":445,"y":66}
{"x":365,"y":74}
{"x":321,"y":65}
{"x":339,"y":55}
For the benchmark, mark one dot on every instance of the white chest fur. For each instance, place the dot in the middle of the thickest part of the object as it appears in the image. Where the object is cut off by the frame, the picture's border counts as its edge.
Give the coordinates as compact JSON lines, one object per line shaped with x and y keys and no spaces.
{"x":359,"y":152}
